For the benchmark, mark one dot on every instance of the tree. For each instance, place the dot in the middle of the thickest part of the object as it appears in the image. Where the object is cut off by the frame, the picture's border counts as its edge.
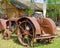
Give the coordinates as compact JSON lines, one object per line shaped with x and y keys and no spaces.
{"x":9,"y":1}
{"x":53,"y":9}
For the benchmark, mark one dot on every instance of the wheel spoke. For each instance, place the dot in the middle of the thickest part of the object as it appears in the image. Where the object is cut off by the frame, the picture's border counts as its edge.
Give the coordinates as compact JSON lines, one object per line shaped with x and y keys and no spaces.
{"x":26,"y":31}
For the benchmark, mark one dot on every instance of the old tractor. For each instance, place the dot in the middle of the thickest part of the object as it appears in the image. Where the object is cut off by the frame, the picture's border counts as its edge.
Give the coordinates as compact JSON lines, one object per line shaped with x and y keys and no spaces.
{"x":29,"y":29}
{"x":35,"y":29}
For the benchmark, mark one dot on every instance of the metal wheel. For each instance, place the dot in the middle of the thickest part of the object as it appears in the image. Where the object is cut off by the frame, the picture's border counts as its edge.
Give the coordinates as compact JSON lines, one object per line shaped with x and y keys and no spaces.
{"x":26,"y":32}
{"x":12,"y":26}
{"x":50,"y":26}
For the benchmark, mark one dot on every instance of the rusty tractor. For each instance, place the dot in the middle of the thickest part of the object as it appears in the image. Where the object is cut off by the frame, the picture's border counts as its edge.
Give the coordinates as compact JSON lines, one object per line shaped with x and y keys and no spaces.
{"x":29,"y":29}
{"x":33,"y":29}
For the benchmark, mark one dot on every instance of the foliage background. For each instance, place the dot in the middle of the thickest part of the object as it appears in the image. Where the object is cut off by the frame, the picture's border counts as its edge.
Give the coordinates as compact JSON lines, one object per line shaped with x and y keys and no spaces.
{"x":53,"y":9}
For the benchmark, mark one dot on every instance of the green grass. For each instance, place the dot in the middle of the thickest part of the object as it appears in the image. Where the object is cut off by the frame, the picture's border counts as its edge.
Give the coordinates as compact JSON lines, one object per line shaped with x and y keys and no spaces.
{"x":54,"y":44}
{"x":14,"y":43}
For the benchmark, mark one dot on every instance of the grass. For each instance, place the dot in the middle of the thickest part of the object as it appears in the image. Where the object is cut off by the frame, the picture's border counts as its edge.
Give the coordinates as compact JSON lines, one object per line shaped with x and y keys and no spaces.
{"x":14,"y":43}
{"x":54,"y":44}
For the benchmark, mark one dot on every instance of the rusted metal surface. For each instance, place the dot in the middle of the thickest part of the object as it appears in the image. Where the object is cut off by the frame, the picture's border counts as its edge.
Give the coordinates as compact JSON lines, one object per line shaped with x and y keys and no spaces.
{"x":11,"y":24}
{"x":44,"y":28}
{"x":47,"y":25}
{"x":29,"y":28}
{"x":50,"y":26}
{"x":33,"y":24}
{"x":2,"y":24}
{"x":8,"y":26}
{"x":3,"y":28}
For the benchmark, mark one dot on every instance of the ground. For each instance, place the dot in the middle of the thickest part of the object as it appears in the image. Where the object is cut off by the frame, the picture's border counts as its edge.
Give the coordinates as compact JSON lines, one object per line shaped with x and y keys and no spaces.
{"x":14,"y":43}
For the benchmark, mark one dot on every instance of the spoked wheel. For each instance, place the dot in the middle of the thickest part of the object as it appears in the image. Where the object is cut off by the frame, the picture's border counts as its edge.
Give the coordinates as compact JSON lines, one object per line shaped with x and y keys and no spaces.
{"x":26,"y":32}
{"x":11,"y":28}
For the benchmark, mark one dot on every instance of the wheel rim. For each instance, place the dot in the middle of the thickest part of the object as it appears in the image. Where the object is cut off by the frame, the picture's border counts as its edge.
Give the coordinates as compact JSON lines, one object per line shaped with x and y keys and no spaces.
{"x":26,"y":29}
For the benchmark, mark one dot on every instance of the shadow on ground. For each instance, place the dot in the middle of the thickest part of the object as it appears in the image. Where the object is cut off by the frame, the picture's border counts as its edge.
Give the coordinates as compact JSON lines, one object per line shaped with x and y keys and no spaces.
{"x":15,"y":40}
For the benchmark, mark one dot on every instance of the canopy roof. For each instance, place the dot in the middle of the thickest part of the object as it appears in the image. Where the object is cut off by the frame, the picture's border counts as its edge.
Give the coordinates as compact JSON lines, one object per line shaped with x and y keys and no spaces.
{"x":22,"y":4}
